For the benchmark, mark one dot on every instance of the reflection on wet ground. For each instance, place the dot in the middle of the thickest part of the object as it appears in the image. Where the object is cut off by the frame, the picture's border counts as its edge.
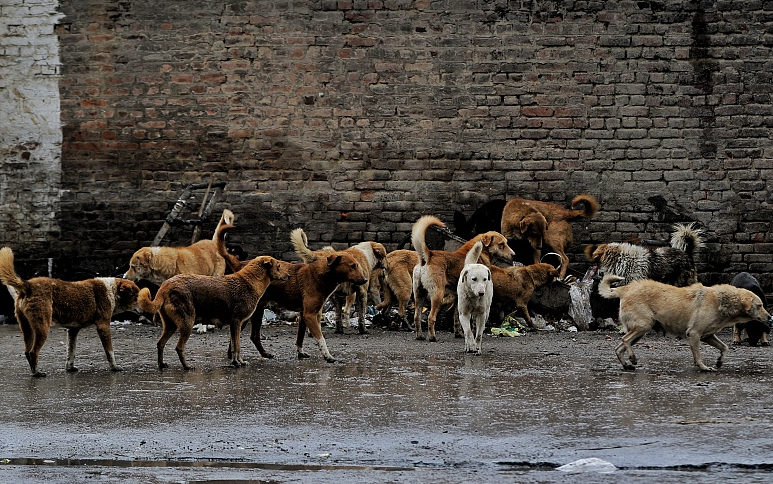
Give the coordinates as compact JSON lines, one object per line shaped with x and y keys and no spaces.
{"x":391,"y":410}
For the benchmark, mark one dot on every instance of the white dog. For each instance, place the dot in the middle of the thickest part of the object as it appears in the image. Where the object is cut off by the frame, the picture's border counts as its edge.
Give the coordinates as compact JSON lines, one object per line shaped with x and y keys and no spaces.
{"x":474,"y":291}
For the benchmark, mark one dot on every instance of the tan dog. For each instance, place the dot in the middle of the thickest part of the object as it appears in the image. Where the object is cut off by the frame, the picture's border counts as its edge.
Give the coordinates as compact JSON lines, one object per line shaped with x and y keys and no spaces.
{"x":474,"y":292}
{"x":398,"y":283}
{"x":157,"y":264}
{"x":696,"y":312}
{"x":306,"y":290}
{"x":515,"y":285}
{"x":437,"y":272}
{"x":369,"y":255}
{"x":545,"y":223}
{"x":41,"y":301}
{"x":229,"y":300}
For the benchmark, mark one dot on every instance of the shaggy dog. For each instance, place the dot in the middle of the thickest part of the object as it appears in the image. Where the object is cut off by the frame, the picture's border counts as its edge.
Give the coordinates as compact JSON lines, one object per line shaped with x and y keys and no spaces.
{"x":305,"y":291}
{"x":41,"y":301}
{"x":696,"y":312}
{"x":398,"y":284}
{"x":369,"y":256}
{"x":756,"y":331}
{"x":514,"y":286}
{"x":229,"y":300}
{"x":157,"y":264}
{"x":487,"y":218}
{"x":437,"y":272}
{"x":672,"y":265}
{"x":474,"y":292}
{"x":545,"y":223}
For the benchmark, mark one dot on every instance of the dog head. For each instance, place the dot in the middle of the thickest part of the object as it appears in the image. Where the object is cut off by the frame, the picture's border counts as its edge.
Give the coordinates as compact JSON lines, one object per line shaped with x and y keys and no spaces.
{"x":477,"y":279}
{"x":140,"y":265}
{"x":277,"y":270}
{"x":345,"y":268}
{"x":753,"y":307}
{"x":532,"y":228}
{"x":542,"y":273}
{"x":495,"y":244}
{"x":126,"y":292}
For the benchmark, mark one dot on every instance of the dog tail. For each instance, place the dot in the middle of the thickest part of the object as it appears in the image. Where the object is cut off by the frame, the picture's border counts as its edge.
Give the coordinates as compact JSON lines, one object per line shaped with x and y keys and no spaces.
{"x":226,"y":219}
{"x":474,"y":253}
{"x":589,"y":250}
{"x":233,"y":262}
{"x":301,"y":245}
{"x":418,"y":236}
{"x":149,"y":305}
{"x":590,"y":206}
{"x":687,"y":238}
{"x":605,"y":286}
{"x":8,"y":274}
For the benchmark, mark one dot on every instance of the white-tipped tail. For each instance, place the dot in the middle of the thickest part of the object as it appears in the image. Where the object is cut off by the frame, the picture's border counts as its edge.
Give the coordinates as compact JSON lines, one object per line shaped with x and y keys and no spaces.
{"x":474,"y":253}
{"x":686,"y":238}
{"x":418,"y":236}
{"x":605,"y":286}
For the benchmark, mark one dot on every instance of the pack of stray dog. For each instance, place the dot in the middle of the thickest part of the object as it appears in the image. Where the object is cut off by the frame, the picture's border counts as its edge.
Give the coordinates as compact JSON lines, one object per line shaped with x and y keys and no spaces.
{"x":657,"y":288}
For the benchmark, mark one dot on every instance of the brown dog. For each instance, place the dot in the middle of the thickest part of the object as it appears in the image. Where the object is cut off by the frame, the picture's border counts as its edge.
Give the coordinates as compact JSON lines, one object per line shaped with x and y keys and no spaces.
{"x":437,"y":273}
{"x":41,"y":301}
{"x":545,"y":223}
{"x":398,"y":283}
{"x":306,"y":290}
{"x":514,"y":286}
{"x":369,"y":255}
{"x":157,"y":264}
{"x":696,"y":312}
{"x":231,"y":300}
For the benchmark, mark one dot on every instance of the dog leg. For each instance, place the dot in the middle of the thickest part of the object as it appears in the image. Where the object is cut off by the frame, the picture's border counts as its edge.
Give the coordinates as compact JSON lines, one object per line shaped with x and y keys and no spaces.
{"x":694,"y":340}
{"x":340,"y":314}
{"x":458,"y":330}
{"x":32,"y":357}
{"x":417,"y":318}
{"x":469,"y":339}
{"x":235,"y":328}
{"x":316,"y":332}
{"x":626,"y":346}
{"x":480,"y":326}
{"x":72,"y":336}
{"x":764,"y":340}
{"x":360,"y":301}
{"x":256,"y":321}
{"x":103,"y":330}
{"x":436,"y":303}
{"x":526,"y":316}
{"x":167,"y":330}
{"x":717,"y":343}
{"x":736,"y":334}
{"x":28,"y":334}
{"x":182,"y":339}
{"x":300,"y":336}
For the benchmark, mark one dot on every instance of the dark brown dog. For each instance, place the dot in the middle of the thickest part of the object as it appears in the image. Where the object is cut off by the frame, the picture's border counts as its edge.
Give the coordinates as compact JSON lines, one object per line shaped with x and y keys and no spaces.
{"x":369,"y":255}
{"x":514,"y":286}
{"x":545,"y":223}
{"x":228,"y":300}
{"x":41,"y":301}
{"x":437,"y":274}
{"x":305,"y":291}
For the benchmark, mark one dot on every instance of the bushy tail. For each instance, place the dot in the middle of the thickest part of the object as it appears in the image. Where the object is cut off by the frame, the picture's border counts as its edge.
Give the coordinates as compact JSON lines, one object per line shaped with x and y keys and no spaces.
{"x":148,"y":305}
{"x":686,"y":238}
{"x":301,"y":246}
{"x":605,"y":286}
{"x":474,"y":253}
{"x":418,"y":236}
{"x":226,"y":219}
{"x":8,"y":274}
{"x":233,"y":262}
{"x":590,"y":206}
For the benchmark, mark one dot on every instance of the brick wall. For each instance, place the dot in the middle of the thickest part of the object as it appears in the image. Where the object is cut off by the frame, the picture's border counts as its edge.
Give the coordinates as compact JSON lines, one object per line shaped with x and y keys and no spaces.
{"x":351,"y":118}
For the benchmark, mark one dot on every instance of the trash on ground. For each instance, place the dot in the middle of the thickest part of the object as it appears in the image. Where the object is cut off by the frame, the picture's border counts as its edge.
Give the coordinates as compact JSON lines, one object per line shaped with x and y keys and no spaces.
{"x":592,"y":464}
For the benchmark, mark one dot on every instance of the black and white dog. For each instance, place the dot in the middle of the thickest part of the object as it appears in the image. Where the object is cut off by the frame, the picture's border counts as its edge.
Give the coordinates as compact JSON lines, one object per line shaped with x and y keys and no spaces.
{"x":757,"y":331}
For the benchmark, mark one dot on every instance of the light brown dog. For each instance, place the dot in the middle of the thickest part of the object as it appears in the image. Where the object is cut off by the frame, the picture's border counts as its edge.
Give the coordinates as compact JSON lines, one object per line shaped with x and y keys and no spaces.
{"x":157,"y":264}
{"x":369,"y":255}
{"x":696,"y":312}
{"x":545,"y":223}
{"x":41,"y":301}
{"x":227,"y":300}
{"x":306,"y":290}
{"x":437,"y":272}
{"x":398,"y":283}
{"x":514,"y":286}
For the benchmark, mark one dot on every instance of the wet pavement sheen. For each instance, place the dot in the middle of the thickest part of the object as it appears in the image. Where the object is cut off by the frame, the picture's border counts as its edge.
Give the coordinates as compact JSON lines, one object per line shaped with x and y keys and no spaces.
{"x":392,"y":409}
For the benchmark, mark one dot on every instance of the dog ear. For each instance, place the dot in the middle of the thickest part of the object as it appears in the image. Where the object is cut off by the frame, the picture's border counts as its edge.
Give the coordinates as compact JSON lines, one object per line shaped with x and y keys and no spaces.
{"x":464,"y":277}
{"x":589,"y":250}
{"x":524,"y":226}
{"x":268,"y":264}
{"x":488,"y":271}
{"x":333,"y":260}
{"x":487,"y":240}
{"x":146,"y":257}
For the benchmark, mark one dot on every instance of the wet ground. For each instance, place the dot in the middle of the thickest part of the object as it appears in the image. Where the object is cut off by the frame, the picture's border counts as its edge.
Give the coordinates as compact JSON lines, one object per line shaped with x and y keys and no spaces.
{"x":391,"y":409}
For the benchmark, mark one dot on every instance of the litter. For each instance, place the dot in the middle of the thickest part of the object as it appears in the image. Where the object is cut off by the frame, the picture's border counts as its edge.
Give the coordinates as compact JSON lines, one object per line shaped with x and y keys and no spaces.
{"x":592,"y":464}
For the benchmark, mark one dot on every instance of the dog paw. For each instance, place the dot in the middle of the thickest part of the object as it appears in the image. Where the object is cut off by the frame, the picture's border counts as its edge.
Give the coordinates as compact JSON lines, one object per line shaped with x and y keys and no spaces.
{"x":363,"y":330}
{"x":72,"y":369}
{"x":629,"y":367}
{"x":189,"y":368}
{"x":39,"y":374}
{"x":303,"y":355}
{"x":116,"y":369}
{"x":163,"y":366}
{"x":432,"y":339}
{"x":330,"y":360}
{"x":420,"y":337}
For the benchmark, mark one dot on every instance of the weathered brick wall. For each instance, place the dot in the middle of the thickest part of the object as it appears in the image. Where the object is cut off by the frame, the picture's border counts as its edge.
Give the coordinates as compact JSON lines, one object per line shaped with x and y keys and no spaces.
{"x":30,"y":132}
{"x":351,"y":118}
